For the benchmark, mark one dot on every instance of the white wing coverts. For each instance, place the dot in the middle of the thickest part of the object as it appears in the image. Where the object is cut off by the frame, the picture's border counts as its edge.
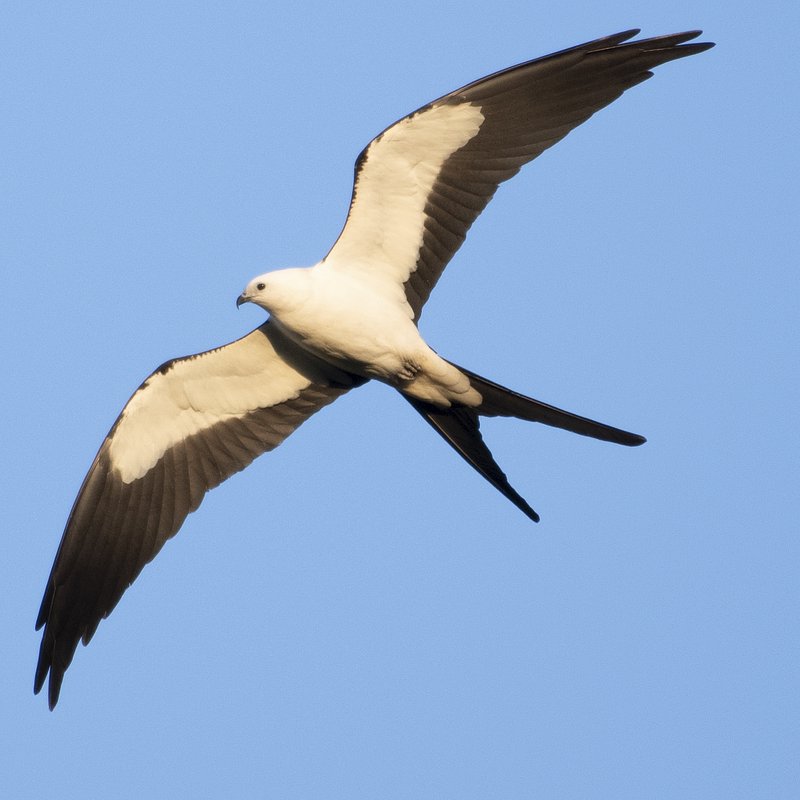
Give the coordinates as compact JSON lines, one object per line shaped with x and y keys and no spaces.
{"x":418,"y":187}
{"x":192,"y":424}
{"x":421,"y":184}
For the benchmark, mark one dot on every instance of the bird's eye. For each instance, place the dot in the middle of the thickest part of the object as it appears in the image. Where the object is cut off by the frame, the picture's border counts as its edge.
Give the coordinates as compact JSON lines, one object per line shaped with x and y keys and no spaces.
{"x":261,"y":286}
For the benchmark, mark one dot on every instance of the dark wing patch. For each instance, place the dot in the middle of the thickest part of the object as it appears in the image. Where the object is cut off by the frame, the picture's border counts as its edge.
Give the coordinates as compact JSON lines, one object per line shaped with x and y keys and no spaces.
{"x":527,"y":109}
{"x":117,"y":527}
{"x":518,"y":114}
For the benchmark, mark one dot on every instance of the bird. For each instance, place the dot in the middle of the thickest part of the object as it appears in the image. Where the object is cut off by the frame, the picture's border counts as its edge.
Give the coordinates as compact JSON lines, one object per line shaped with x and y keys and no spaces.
{"x":352,"y":317}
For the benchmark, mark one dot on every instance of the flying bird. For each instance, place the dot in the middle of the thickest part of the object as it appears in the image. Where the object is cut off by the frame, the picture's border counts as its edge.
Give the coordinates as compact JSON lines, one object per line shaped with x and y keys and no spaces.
{"x":418,"y":187}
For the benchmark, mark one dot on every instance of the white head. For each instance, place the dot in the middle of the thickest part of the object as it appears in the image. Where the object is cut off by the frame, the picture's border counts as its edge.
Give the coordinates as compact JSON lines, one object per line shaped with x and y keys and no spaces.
{"x":279,"y":291}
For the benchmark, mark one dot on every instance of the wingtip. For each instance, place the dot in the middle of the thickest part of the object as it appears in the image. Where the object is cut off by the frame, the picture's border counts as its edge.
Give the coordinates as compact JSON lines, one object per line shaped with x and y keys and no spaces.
{"x":42,"y":668}
{"x":45,"y":666}
{"x":679,"y":44}
{"x":684,"y":42}
{"x":53,"y":689}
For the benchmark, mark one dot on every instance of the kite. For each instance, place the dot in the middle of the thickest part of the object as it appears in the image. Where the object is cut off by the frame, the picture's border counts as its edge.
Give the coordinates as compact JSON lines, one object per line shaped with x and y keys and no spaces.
{"x":418,"y":187}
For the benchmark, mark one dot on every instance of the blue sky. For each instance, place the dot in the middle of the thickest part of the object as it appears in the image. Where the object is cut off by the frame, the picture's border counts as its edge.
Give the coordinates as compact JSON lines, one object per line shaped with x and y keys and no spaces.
{"x":359,"y":614}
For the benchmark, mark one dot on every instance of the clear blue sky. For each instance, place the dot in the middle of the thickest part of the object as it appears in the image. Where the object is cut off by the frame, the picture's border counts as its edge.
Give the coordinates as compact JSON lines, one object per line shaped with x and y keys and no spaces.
{"x":359,"y":614}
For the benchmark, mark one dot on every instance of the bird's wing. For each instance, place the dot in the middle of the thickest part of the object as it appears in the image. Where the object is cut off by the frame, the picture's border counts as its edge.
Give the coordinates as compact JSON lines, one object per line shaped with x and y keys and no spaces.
{"x":421,"y":183}
{"x":193,"y":423}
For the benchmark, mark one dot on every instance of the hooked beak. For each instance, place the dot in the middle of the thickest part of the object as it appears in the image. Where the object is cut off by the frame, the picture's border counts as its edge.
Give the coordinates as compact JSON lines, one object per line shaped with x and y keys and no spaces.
{"x":242,"y":298}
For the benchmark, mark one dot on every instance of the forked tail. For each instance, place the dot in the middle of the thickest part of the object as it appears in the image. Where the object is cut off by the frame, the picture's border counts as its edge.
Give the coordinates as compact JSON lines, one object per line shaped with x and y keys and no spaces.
{"x":501,"y":402}
{"x":460,"y":427}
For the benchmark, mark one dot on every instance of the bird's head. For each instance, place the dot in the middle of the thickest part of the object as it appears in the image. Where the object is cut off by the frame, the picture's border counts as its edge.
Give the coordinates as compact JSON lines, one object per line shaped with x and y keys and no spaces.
{"x":276,"y":292}
{"x":253,"y":292}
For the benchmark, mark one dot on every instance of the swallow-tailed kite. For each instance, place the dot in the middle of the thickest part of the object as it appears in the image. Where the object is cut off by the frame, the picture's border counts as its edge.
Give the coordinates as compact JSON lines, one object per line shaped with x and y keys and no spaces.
{"x":418,"y":187}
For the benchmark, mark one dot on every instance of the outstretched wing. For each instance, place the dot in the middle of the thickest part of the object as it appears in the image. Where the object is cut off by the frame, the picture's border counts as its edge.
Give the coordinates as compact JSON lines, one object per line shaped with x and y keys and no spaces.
{"x":421,"y":183}
{"x":192,"y":424}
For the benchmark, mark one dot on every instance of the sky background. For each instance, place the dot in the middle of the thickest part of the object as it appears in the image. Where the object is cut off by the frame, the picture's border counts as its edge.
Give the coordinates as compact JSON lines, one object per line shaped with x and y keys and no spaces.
{"x":359,"y":614}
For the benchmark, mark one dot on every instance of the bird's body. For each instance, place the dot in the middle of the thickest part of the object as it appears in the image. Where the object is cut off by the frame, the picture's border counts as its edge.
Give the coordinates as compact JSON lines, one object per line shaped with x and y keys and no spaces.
{"x":353,"y":325}
{"x":352,"y":317}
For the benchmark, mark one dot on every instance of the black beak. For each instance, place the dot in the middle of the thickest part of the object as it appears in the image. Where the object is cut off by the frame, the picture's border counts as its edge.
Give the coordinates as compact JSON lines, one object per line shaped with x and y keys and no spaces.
{"x":241,"y":299}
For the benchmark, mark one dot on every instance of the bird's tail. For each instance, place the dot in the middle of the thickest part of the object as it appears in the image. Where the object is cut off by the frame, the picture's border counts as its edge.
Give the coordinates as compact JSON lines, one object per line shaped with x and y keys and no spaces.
{"x":460,"y":428}
{"x":501,"y":402}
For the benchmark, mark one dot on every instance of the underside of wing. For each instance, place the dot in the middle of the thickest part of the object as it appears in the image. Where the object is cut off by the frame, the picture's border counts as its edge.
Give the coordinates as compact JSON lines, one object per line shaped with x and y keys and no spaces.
{"x":193,"y":423}
{"x":421,"y":183}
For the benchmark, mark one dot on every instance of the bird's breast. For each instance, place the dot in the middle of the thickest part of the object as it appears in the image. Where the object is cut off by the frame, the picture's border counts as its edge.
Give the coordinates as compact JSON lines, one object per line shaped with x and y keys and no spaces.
{"x":353,"y":327}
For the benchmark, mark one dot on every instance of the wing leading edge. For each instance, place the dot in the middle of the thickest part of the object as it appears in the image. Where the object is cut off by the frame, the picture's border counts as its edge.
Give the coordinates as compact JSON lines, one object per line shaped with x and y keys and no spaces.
{"x":420,"y":184}
{"x":192,"y":424}
{"x":195,"y":421}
